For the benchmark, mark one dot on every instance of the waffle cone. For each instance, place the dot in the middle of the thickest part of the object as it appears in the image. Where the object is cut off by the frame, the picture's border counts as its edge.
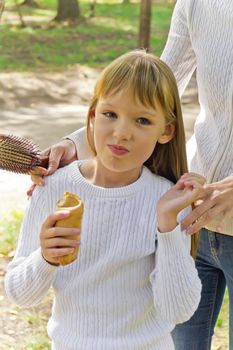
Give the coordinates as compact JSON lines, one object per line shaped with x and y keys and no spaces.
{"x":74,"y":204}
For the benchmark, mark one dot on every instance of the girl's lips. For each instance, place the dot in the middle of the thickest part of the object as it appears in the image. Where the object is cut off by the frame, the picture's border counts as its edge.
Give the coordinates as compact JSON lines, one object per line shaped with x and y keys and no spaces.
{"x":118,"y":150}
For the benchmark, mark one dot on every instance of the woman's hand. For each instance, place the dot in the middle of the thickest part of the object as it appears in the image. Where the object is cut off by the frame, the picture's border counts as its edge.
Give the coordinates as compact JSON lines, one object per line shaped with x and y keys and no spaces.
{"x":186,"y":191}
{"x":53,"y":240}
{"x":216,"y":201}
{"x":60,"y":154}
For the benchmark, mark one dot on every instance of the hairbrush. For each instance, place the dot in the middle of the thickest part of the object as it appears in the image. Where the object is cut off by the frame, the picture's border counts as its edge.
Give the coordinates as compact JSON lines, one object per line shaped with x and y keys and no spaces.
{"x":20,"y":155}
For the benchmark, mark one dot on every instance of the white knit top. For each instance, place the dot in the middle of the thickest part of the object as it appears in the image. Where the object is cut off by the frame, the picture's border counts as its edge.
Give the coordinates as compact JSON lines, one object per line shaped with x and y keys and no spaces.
{"x":128,"y":287}
{"x":201,"y":37}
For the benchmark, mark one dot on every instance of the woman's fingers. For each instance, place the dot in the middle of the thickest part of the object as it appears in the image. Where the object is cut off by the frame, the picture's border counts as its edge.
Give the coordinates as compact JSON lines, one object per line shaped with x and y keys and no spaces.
{"x":39,"y":171}
{"x":61,"y":154}
{"x":196,"y":218}
{"x":55,"y":156}
{"x":202,"y":215}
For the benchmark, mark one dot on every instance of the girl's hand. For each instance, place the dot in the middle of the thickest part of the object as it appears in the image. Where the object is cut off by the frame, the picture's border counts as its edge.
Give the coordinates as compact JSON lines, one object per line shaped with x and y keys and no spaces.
{"x":216,"y":202}
{"x":186,"y":191}
{"x":53,"y":240}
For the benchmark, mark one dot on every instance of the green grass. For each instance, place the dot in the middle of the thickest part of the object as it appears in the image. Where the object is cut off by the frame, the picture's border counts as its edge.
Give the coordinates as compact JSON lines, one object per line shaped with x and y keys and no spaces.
{"x":94,"y":42}
{"x":221,"y":339}
{"x":222,"y":319}
{"x":37,"y":343}
{"x":37,"y":321}
{"x":9,"y":230}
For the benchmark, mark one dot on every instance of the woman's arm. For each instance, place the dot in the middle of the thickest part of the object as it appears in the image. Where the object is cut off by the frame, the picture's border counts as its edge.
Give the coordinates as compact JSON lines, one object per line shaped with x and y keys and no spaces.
{"x":178,"y":52}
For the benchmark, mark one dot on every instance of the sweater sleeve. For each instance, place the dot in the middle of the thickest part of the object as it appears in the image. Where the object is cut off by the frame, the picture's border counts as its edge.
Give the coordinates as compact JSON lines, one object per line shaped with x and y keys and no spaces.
{"x":29,"y":276}
{"x":175,"y":282}
{"x":79,"y":138}
{"x":178,"y":52}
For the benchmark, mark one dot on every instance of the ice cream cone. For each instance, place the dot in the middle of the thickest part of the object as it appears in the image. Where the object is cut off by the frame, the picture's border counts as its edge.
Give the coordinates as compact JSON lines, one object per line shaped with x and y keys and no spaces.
{"x":74,"y":204}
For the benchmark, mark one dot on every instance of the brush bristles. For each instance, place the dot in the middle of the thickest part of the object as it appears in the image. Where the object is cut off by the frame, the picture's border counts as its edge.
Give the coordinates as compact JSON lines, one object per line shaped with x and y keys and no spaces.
{"x":18,"y":155}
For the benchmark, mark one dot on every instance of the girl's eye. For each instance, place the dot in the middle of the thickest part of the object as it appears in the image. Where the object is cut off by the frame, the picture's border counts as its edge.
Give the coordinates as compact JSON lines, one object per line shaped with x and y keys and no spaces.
{"x":110,"y":114}
{"x":143,"y":121}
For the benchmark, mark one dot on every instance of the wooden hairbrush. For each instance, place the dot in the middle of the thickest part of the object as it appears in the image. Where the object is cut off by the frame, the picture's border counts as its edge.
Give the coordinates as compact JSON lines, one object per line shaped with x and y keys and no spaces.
{"x":20,"y":155}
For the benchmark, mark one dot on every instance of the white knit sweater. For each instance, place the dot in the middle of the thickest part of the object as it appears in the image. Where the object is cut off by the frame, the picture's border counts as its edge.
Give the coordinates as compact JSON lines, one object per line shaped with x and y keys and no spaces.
{"x":201,"y":37}
{"x":118,"y":294}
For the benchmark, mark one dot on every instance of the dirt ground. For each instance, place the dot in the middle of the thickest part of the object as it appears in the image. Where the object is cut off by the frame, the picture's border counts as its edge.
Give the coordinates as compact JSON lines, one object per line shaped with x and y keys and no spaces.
{"x":44,"y":107}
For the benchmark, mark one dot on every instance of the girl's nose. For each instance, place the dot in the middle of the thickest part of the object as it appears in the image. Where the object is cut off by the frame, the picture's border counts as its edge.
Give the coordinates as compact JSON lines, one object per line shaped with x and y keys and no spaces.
{"x":122,"y":130}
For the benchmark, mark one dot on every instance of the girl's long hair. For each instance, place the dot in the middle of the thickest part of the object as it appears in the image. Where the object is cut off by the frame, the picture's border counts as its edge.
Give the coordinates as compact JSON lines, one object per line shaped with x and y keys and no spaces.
{"x":152,"y":83}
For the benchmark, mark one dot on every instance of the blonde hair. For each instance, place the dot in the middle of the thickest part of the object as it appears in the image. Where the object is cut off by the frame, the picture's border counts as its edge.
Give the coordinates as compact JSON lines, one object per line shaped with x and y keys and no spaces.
{"x":153,"y":83}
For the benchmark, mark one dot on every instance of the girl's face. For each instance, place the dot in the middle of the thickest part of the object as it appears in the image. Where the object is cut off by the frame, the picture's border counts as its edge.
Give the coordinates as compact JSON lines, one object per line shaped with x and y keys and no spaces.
{"x":126,"y":132}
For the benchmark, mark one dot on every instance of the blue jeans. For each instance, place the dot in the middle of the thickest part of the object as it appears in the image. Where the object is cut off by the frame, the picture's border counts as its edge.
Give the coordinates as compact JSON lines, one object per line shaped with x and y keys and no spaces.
{"x":214,"y":263}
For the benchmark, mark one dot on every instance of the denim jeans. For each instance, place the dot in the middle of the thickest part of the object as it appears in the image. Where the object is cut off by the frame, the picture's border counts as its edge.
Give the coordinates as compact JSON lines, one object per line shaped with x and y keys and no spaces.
{"x":214,"y":263}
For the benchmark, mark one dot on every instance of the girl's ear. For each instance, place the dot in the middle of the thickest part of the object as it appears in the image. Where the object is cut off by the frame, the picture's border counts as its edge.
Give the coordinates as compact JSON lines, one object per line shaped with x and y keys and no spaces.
{"x":168,"y":134}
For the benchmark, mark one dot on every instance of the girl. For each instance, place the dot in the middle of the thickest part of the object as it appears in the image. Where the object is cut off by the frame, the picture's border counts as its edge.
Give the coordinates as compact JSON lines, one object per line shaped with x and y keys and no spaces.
{"x":134,"y":278}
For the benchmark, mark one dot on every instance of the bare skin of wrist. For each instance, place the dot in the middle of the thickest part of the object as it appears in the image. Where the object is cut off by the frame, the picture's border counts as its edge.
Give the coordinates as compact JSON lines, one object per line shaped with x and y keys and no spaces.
{"x":166,"y":222}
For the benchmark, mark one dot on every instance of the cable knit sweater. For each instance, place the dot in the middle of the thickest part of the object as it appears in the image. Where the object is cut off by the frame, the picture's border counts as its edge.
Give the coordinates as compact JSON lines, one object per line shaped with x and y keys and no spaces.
{"x":129,"y":285}
{"x":201,"y":37}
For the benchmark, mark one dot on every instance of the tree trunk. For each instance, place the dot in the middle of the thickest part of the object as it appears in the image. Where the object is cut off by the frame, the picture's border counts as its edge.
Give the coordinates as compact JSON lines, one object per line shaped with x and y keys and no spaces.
{"x":2,"y":3}
{"x":18,"y":9}
{"x":30,"y":3}
{"x":145,"y":24}
{"x":92,"y":8}
{"x":68,"y":10}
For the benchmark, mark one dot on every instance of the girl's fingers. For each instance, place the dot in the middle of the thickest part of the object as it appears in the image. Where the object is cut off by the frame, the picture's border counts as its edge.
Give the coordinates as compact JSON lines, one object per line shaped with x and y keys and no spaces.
{"x":61,"y":242}
{"x":53,"y":218}
{"x":56,"y":252}
{"x":61,"y":232}
{"x":195,"y":177}
{"x":195,"y":188}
